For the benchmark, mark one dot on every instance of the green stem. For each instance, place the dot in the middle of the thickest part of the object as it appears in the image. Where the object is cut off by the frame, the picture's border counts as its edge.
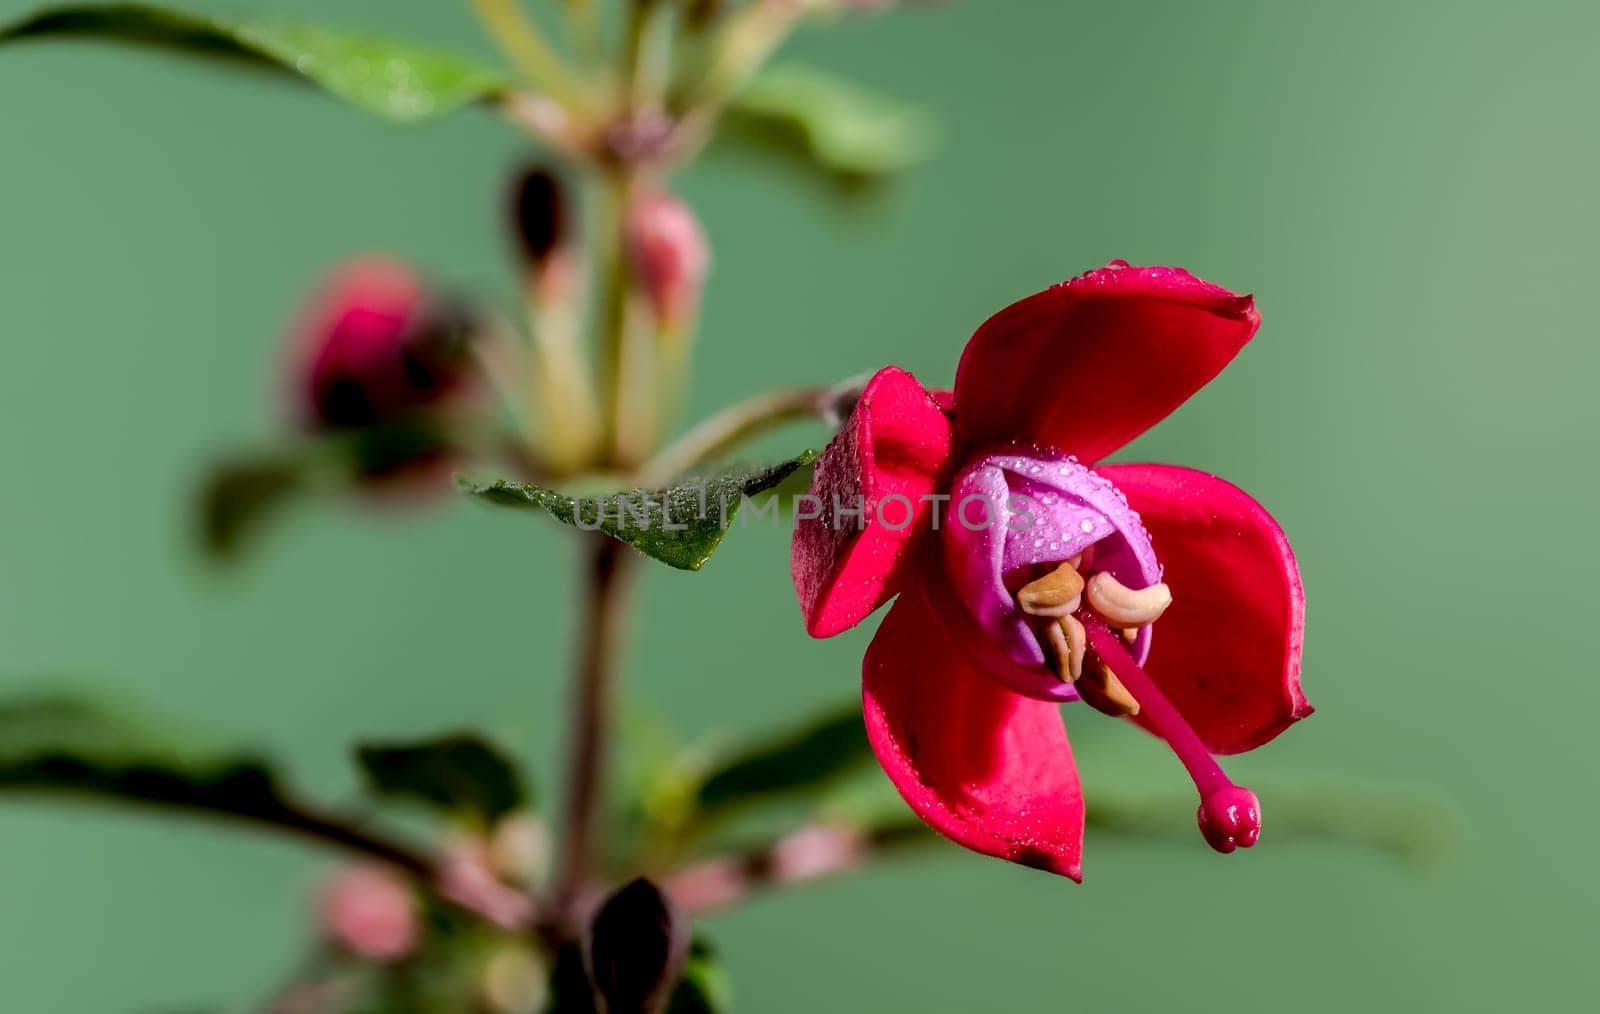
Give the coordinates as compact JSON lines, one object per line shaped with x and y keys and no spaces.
{"x":749,"y":38}
{"x":736,"y":424}
{"x":619,"y":432}
{"x":520,"y":39}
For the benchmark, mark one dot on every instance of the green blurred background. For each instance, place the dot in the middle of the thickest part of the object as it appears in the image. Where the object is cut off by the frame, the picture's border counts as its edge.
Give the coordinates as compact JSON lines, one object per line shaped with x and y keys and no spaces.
{"x":1407,"y":187}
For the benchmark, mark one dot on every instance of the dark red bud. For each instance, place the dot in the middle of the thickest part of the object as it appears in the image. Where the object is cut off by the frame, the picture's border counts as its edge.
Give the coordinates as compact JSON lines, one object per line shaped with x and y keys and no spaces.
{"x":638,"y":944}
{"x":539,"y":214}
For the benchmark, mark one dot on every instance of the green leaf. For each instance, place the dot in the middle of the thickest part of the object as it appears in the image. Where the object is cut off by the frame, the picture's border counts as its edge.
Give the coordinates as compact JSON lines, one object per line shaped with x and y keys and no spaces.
{"x":704,"y":987}
{"x":831,"y":124}
{"x":61,"y":743}
{"x":680,"y":526}
{"x":392,"y":79}
{"x":459,"y":774}
{"x":803,"y":762}
{"x":239,"y":497}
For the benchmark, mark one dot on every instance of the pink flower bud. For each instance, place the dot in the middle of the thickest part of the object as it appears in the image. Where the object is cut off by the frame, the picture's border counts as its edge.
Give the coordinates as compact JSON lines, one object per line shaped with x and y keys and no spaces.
{"x":669,"y":255}
{"x":376,"y":347}
{"x":369,"y":910}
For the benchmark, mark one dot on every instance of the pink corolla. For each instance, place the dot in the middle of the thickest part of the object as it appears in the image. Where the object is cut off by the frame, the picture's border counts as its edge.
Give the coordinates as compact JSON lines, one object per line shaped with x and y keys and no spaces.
{"x":1027,"y":576}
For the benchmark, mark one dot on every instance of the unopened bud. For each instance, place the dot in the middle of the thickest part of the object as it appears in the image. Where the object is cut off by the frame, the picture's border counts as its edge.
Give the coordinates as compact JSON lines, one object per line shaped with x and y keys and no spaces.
{"x":638,"y":944}
{"x":669,"y":256}
{"x":369,"y":910}
{"x":377,"y":347}
{"x":539,"y":215}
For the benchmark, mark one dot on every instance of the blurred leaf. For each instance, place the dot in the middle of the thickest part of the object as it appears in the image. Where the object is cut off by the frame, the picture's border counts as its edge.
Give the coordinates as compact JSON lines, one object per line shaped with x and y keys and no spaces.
{"x":392,"y":79}
{"x":240,"y":496}
{"x":829,"y":124}
{"x":681,"y":526}
{"x":704,"y":987}
{"x":61,"y":743}
{"x":806,"y":761}
{"x":458,"y":774}
{"x":638,"y":945}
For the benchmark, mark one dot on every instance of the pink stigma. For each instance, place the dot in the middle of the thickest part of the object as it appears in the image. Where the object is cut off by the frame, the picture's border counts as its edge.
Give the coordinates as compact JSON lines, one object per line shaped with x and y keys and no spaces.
{"x":1229,"y":815}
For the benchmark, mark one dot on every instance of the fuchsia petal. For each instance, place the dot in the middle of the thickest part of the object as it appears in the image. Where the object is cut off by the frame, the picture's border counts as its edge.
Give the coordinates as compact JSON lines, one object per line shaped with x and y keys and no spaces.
{"x":1227,"y":651}
{"x":986,"y":768}
{"x":891,"y":453}
{"x":1086,"y":366}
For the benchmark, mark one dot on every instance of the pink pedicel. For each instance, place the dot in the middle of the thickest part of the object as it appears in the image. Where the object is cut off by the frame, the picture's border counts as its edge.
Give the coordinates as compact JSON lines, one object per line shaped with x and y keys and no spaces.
{"x":1229,"y":815}
{"x":1012,"y":512}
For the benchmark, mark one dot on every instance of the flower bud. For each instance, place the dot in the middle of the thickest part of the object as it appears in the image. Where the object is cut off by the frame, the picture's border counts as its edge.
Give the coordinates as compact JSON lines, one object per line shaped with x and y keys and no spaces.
{"x":669,"y":256}
{"x":377,"y":347}
{"x":369,"y":910}
{"x":638,"y":944}
{"x":539,"y":215}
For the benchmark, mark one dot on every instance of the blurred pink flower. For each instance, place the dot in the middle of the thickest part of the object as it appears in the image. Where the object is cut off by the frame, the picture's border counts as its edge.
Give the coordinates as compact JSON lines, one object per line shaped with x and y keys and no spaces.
{"x":376,"y":346}
{"x":370,"y":911}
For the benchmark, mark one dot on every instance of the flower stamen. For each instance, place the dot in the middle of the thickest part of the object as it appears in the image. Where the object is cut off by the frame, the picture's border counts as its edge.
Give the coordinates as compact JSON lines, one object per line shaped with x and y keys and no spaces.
{"x":1066,"y":641}
{"x":1102,"y":691}
{"x":1056,"y":594}
{"x":1125,"y":607}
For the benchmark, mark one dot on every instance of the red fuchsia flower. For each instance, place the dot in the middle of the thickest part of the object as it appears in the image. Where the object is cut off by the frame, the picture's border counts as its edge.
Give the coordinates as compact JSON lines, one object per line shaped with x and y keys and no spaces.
{"x":376,"y":347}
{"x":1027,"y":578}
{"x":370,"y":911}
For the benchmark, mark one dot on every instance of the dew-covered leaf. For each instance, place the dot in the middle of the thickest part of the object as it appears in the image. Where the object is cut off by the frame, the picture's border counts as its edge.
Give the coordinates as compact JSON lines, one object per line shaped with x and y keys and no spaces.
{"x":396,"y":80}
{"x":680,"y":526}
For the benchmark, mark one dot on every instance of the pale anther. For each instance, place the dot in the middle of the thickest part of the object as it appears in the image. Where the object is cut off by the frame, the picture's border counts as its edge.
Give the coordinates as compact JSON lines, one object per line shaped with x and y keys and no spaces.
{"x":1101,"y":690}
{"x":1123,"y":606}
{"x":1056,"y":594}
